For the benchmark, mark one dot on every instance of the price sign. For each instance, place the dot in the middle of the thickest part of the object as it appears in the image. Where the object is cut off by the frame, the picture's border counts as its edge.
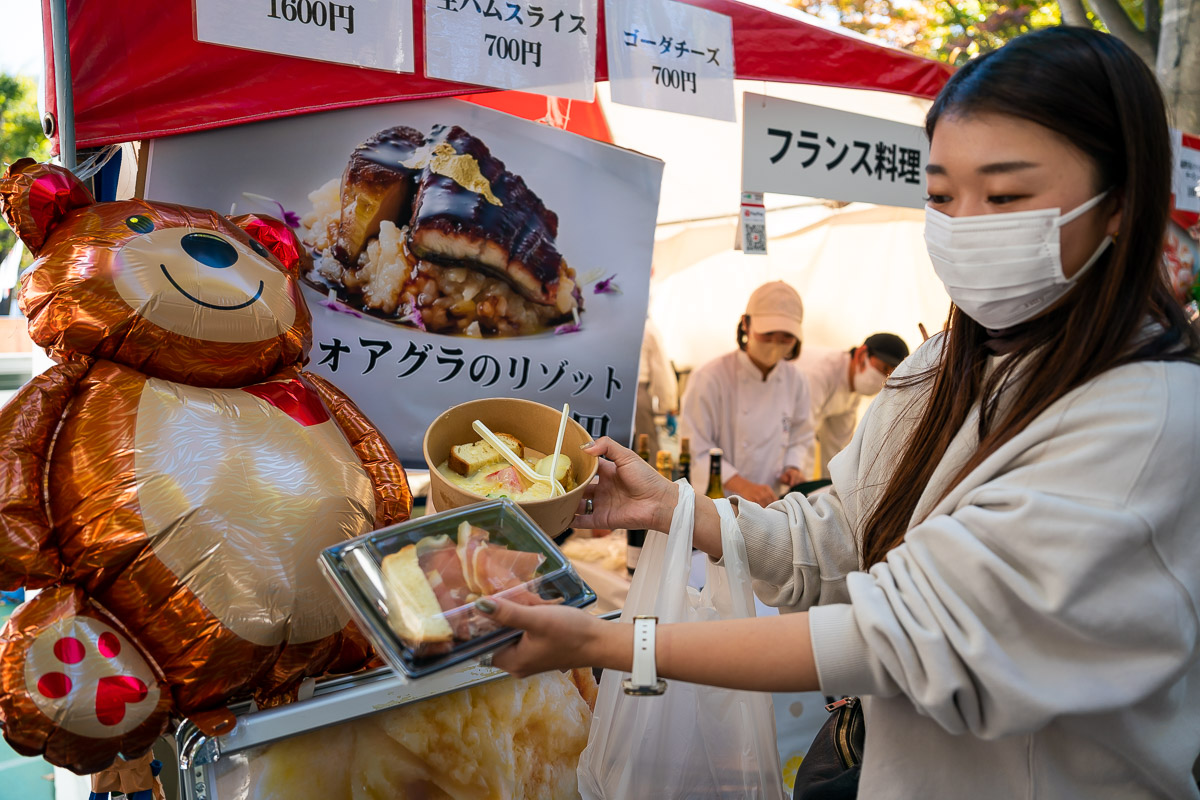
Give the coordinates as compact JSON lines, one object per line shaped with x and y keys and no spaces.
{"x":365,"y":33}
{"x":670,"y":56}
{"x":546,"y":46}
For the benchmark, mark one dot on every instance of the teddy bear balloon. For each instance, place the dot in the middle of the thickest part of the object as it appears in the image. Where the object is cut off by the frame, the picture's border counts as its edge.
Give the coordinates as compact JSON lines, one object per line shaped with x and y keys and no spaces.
{"x":170,"y":482}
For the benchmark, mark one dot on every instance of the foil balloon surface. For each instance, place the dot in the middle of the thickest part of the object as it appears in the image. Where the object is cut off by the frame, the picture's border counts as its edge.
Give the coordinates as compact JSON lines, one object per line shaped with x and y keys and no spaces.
{"x":172,"y":479}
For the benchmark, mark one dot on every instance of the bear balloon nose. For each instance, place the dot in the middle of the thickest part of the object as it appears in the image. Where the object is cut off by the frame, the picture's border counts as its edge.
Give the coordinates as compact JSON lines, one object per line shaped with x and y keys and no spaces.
{"x":209,"y":250}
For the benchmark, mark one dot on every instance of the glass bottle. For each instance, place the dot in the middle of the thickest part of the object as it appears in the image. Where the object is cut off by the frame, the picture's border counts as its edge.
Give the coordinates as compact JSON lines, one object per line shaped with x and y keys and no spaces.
{"x":634,"y":539}
{"x":714,"y":475}
{"x":685,"y":459}
{"x":662,"y":463}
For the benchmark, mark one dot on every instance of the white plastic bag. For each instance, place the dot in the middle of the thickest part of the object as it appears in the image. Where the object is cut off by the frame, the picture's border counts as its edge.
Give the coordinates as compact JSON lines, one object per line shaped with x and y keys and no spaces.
{"x":694,"y":741}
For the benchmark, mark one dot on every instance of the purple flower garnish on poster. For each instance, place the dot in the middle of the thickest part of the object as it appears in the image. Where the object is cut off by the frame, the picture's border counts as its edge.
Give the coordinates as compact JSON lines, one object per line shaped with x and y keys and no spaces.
{"x":290,"y":218}
{"x":607,"y":286}
{"x":412,"y":315}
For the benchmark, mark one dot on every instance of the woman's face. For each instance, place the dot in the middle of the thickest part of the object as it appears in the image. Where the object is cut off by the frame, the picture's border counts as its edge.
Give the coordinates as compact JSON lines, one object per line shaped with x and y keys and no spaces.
{"x":993,"y":163}
{"x":774,"y":337}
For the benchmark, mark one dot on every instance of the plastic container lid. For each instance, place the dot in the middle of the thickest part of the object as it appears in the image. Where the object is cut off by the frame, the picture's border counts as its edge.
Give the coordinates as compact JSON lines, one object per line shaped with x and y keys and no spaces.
{"x":411,"y":587}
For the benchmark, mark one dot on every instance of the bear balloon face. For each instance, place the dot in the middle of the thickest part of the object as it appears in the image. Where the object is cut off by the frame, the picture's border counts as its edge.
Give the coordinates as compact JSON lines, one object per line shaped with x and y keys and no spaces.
{"x":239,"y":292}
{"x":177,"y":293}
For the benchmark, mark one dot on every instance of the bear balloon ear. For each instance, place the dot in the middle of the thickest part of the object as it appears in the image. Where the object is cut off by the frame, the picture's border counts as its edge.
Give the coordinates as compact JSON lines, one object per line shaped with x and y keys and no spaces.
{"x":34,"y":199}
{"x":277,"y":238}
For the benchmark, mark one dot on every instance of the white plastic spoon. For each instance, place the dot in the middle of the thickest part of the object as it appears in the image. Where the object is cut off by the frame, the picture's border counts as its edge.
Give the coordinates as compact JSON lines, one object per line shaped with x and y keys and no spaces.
{"x":514,"y":459}
{"x":562,"y":429}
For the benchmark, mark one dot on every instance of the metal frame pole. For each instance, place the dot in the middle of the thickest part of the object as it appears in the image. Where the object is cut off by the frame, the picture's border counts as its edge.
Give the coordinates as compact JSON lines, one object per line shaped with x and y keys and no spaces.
{"x":63,"y":96}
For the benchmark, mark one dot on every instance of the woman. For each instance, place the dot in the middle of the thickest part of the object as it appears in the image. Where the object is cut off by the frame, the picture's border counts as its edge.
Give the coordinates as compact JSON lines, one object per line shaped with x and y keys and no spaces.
{"x":754,"y":404}
{"x":1019,"y":498}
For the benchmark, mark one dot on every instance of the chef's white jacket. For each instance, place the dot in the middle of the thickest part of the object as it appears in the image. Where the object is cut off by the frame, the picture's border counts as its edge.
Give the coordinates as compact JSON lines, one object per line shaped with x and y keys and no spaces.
{"x":834,"y":404}
{"x":762,"y":425}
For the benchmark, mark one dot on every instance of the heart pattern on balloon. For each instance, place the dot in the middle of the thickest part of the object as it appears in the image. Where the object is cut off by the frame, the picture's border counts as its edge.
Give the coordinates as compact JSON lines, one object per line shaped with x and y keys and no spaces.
{"x":89,"y":676}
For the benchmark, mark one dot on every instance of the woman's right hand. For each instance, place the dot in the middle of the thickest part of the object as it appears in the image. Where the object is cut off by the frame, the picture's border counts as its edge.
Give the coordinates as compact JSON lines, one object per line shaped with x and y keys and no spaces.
{"x":629,"y":494}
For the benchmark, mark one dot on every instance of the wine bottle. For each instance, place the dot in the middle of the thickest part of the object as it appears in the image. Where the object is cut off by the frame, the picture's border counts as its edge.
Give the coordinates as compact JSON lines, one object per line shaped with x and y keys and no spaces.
{"x":643,"y":447}
{"x":662,"y":463}
{"x":714,"y":475}
{"x":685,"y":459}
{"x":634,"y":539}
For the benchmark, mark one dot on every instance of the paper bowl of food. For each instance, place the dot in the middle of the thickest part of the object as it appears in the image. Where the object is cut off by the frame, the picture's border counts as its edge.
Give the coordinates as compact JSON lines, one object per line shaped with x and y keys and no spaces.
{"x":464,"y":469}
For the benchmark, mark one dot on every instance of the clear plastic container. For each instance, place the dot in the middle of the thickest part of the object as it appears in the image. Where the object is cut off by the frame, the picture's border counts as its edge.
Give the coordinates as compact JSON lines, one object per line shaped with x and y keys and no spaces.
{"x":420,"y":626}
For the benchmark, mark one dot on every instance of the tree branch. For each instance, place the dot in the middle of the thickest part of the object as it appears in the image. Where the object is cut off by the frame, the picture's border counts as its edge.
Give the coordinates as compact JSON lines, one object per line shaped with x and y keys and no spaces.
{"x":1120,"y":25}
{"x":1073,"y":13}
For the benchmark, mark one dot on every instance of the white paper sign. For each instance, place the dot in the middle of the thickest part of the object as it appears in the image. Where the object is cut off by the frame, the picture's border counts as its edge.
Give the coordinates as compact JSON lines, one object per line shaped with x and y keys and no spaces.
{"x":670,"y":56}
{"x":547,"y":47}
{"x":366,"y":33}
{"x":1185,"y":178}
{"x":752,"y":225}
{"x":813,"y":151}
{"x":606,"y":202}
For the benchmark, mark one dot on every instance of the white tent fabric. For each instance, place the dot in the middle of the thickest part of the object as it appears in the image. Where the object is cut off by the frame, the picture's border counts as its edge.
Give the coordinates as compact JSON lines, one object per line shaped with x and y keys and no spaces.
{"x":861,"y":270}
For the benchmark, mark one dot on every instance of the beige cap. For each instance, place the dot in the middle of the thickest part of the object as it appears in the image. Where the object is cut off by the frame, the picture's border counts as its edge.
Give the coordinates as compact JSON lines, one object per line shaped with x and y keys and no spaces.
{"x":776,"y":306}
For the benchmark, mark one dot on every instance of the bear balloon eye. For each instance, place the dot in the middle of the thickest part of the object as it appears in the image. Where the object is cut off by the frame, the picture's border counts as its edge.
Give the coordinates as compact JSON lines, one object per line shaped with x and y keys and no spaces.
{"x":257,"y":247}
{"x":139,"y":224}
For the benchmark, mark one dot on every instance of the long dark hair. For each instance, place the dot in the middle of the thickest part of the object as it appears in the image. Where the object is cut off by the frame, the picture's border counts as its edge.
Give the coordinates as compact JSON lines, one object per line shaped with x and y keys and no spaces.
{"x":1093,"y":90}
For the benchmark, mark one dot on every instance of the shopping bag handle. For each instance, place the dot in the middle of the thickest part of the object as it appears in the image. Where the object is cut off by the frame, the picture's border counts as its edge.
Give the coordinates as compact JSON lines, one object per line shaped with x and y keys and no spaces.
{"x":735,"y":561}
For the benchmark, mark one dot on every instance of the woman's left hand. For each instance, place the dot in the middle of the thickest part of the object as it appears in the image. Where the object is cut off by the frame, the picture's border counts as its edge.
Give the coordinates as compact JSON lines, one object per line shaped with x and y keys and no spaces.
{"x":556,"y":637}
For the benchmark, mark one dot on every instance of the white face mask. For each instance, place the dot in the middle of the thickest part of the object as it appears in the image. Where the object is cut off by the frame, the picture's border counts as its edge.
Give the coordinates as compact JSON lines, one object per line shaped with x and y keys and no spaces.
{"x":766,"y":353}
{"x":1003,"y":269}
{"x":869,"y":382}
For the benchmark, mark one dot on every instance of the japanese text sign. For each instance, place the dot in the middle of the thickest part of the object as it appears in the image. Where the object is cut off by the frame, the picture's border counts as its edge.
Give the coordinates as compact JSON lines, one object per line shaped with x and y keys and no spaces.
{"x":1185,"y":171}
{"x":600,"y":204}
{"x":670,"y":56}
{"x":543,"y":46}
{"x":813,"y":151}
{"x":365,"y":33}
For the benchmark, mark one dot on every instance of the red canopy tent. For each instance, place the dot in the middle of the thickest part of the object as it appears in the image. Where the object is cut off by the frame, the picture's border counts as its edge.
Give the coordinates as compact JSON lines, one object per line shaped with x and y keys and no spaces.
{"x":138,"y":73}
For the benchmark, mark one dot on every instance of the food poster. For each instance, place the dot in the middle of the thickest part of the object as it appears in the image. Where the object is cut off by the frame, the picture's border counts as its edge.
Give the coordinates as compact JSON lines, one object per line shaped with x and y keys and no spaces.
{"x":458,"y":253}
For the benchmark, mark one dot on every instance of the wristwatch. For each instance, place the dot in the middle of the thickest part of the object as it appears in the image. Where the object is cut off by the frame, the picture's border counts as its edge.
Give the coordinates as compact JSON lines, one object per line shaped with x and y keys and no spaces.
{"x":644,"y":678}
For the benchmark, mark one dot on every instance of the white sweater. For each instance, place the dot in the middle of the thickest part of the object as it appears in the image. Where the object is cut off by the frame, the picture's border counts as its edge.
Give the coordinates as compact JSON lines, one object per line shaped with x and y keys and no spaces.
{"x":1037,"y":634}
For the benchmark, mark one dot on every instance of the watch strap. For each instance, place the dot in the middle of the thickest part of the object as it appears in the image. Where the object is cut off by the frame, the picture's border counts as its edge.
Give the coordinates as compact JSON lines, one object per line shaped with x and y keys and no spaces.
{"x":644,"y":679}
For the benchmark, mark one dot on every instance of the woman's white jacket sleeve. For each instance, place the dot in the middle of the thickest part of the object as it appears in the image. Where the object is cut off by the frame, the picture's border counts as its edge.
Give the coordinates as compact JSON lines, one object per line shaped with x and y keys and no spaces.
{"x":1061,"y":576}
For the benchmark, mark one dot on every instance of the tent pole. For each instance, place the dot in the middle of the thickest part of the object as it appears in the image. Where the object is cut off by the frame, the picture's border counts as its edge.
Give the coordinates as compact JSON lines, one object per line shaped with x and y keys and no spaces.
{"x":64,"y":100}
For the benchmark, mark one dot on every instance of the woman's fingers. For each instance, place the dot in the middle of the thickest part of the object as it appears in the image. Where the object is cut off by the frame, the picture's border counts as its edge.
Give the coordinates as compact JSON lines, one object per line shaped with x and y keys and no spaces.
{"x":583,"y":516}
{"x":506,"y":612}
{"x":552,"y":639}
{"x":607,"y":471}
{"x":607,"y":448}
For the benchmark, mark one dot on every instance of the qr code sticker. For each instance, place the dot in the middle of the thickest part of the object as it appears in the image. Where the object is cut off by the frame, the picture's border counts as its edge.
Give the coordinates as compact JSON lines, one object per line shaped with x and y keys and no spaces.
{"x":754,"y":239}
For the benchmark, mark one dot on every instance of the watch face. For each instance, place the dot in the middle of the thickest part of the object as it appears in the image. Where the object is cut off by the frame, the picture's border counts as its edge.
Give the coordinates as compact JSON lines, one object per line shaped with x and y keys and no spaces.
{"x":657,"y":688}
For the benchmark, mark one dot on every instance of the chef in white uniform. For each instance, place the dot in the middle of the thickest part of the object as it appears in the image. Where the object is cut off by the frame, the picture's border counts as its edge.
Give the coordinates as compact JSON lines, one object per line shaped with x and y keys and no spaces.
{"x":753,"y":403}
{"x":839,"y":379}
